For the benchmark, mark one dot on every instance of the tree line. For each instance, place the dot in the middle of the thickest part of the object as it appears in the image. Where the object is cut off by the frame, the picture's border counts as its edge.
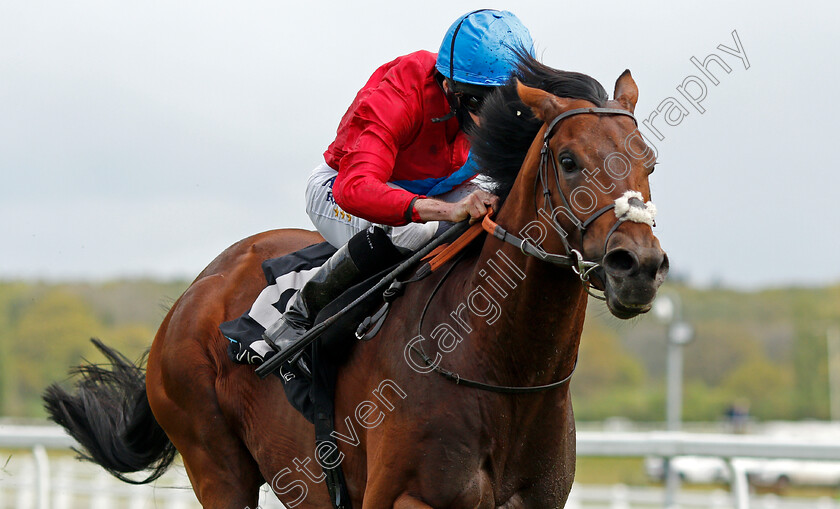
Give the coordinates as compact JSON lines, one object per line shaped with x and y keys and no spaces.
{"x":765,"y":350}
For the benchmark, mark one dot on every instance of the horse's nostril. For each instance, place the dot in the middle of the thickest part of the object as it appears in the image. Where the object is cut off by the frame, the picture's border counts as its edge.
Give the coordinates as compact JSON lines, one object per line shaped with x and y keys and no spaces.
{"x":664,"y":267}
{"x":620,"y":262}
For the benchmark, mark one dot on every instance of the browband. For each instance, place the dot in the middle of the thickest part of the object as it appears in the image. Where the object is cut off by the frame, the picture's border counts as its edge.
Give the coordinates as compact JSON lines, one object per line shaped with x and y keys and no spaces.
{"x":579,"y":111}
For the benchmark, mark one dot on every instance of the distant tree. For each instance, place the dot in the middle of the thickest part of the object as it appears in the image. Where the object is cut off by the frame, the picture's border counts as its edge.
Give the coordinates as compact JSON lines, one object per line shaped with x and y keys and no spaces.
{"x":609,"y":381}
{"x":10,"y":297}
{"x":702,"y":402}
{"x":811,"y":372}
{"x":133,"y":341}
{"x":51,"y":335}
{"x":719,"y":348}
{"x":768,"y":387}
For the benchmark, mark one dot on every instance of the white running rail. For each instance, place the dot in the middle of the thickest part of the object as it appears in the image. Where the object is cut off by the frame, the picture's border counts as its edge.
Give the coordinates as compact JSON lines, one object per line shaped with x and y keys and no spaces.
{"x":36,"y":484}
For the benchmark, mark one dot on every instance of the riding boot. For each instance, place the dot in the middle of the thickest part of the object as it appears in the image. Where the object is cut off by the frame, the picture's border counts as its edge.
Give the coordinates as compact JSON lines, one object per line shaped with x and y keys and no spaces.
{"x":336,"y":275}
{"x":367,"y":253}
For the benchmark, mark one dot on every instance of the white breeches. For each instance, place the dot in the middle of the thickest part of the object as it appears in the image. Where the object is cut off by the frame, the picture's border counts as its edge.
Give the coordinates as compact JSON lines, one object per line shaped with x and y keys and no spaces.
{"x":337,"y":226}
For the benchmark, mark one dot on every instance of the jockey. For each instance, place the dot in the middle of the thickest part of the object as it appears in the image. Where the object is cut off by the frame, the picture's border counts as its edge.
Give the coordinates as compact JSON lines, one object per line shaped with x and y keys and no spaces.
{"x":398,"y":171}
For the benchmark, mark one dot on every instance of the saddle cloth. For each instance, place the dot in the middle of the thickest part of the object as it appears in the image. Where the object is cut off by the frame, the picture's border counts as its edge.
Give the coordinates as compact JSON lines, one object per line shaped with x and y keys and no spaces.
{"x":284,"y":277}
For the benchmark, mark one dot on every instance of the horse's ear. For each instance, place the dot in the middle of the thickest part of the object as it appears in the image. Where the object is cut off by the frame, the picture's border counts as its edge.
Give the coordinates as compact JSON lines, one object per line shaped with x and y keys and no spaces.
{"x":626,"y":91}
{"x":545,"y":106}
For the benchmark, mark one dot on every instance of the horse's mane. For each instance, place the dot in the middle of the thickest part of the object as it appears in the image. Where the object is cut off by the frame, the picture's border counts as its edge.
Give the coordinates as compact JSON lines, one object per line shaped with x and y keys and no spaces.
{"x":508,"y":127}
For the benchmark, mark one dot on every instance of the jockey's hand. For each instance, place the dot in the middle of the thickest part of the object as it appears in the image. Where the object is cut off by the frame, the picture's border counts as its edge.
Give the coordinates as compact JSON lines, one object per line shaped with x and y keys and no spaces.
{"x":474,"y":207}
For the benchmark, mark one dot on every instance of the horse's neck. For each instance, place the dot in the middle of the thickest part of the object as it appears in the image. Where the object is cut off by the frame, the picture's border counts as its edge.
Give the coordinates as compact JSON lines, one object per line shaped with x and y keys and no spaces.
{"x":541,"y":307}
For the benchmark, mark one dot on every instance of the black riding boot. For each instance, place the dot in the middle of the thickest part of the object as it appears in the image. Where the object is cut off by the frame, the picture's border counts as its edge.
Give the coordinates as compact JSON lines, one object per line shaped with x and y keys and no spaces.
{"x":367,"y":253}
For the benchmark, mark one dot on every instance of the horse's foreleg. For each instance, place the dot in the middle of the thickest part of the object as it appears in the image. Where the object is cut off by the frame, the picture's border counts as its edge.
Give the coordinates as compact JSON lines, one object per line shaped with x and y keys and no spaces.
{"x":406,"y":501}
{"x":391,"y":491}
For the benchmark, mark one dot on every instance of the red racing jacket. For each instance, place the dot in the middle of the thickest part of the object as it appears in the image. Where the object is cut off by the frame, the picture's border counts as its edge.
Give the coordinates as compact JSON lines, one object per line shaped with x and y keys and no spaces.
{"x":387,"y":134}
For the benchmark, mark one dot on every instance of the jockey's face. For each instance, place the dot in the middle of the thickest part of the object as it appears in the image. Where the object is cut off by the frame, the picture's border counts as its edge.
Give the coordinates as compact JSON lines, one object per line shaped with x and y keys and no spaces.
{"x":468,"y":102}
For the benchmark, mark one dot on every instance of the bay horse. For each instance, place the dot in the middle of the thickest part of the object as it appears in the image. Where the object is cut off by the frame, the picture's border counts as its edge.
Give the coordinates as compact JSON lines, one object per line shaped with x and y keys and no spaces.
{"x":506,"y":313}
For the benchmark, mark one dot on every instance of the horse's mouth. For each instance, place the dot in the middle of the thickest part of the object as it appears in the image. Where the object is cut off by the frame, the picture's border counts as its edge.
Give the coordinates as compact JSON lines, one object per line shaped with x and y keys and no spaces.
{"x":622,"y":310}
{"x":632,"y":279}
{"x":626,"y":312}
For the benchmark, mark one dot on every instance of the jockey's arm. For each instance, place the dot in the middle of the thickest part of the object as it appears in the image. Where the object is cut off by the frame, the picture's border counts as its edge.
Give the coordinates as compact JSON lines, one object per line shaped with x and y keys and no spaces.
{"x":391,"y":117}
{"x":361,"y":186}
{"x":380,"y":201}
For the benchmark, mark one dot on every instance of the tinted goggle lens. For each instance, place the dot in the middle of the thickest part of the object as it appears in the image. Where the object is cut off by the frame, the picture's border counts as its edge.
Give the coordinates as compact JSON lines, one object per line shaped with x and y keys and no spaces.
{"x":472,"y":102}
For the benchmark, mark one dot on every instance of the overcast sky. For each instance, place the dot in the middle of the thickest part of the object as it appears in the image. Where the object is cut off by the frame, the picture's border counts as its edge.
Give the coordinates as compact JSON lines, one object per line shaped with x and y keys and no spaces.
{"x":142,"y":138}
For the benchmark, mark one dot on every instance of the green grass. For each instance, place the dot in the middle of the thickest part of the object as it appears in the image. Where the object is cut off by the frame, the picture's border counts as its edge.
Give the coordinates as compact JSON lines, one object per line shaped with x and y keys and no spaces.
{"x":630,"y":471}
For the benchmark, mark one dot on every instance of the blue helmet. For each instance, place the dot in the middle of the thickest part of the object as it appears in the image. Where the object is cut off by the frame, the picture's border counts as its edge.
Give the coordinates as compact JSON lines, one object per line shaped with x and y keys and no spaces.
{"x":479,"y":48}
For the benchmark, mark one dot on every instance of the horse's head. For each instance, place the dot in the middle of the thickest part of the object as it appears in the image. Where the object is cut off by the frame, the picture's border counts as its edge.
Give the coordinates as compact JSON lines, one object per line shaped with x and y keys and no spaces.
{"x":573,"y":170}
{"x":590,"y":169}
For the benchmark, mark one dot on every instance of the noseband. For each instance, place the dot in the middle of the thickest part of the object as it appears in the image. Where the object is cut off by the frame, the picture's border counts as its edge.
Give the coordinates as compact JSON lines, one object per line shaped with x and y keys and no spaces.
{"x":630,"y":208}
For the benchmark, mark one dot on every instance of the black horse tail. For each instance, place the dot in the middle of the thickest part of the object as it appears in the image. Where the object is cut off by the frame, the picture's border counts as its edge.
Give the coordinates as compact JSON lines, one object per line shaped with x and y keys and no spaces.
{"x":111,"y":418}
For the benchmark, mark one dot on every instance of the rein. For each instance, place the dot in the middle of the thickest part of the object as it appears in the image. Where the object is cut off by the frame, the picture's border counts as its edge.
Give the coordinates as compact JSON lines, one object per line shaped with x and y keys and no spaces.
{"x":573,"y":259}
{"x":455,"y":377}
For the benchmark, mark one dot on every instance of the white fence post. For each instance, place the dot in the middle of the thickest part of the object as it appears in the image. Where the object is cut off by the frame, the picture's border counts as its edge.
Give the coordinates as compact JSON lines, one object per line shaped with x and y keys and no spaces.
{"x":740,"y":484}
{"x":620,"y":497}
{"x":42,"y":477}
{"x":139,"y":499}
{"x":720,"y":499}
{"x":573,"y":502}
{"x":101,"y":497}
{"x":769,"y":501}
{"x":268,"y":500}
{"x":61,"y":495}
{"x":24,"y":497}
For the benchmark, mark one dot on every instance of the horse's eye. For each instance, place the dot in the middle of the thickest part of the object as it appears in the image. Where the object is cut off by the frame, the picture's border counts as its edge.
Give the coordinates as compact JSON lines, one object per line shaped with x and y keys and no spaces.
{"x":567,"y":163}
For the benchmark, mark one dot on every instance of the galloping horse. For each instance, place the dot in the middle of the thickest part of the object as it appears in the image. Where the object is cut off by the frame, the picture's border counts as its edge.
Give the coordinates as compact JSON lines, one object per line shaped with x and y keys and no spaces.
{"x":573,"y":174}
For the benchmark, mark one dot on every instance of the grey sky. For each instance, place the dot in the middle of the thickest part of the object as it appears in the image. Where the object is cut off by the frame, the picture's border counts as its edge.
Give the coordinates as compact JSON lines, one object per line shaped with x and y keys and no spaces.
{"x":143,"y":138}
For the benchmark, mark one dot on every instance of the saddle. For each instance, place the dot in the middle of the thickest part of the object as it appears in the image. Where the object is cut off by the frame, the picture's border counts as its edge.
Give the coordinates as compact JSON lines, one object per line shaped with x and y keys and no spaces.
{"x":285,"y":275}
{"x":351,"y":317}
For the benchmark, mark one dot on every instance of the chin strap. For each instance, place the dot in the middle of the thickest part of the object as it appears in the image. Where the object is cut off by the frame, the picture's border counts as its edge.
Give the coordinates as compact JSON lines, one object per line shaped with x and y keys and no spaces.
{"x":453,"y":105}
{"x":445,"y":117}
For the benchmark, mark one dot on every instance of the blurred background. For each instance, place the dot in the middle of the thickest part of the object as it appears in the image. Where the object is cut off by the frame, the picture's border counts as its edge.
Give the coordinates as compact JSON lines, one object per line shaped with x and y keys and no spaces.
{"x":137,"y":141}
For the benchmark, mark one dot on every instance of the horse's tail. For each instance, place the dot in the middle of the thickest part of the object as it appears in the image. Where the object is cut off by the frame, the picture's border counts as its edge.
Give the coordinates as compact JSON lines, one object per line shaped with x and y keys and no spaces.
{"x":110,"y":416}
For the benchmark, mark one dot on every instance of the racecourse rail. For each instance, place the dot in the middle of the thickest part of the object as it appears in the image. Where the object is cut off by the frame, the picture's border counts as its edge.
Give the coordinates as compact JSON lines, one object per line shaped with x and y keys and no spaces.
{"x":668,"y":444}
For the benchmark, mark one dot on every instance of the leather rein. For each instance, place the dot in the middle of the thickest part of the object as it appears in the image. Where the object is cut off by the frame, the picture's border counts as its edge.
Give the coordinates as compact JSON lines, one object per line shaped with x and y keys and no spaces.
{"x":573,"y":258}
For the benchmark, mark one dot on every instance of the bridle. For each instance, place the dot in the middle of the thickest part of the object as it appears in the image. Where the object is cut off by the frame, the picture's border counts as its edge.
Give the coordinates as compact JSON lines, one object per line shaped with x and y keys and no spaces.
{"x":572,"y":258}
